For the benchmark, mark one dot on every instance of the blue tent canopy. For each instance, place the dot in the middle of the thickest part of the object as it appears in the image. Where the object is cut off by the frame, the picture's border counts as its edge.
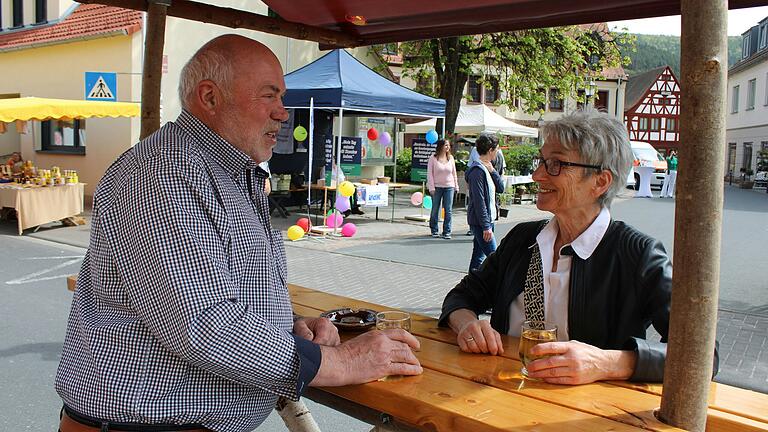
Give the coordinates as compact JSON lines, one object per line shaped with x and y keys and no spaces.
{"x":338,"y":80}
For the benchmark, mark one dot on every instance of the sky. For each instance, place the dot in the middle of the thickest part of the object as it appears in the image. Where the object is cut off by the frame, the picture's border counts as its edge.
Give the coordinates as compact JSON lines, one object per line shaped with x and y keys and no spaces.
{"x":739,"y":21}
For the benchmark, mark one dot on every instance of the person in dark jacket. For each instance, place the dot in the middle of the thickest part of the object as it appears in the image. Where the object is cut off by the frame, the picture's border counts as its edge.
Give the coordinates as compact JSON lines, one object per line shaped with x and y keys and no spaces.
{"x":484,"y":182}
{"x":600,"y":281}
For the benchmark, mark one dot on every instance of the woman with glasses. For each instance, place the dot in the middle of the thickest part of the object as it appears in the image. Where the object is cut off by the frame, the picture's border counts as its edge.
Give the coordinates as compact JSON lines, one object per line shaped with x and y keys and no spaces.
{"x":442,"y":183}
{"x":600,"y":281}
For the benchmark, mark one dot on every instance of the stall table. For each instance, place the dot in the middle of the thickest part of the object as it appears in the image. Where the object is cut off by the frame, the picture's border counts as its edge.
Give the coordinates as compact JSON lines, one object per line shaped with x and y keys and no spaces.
{"x":39,"y":205}
{"x":474,"y":392}
{"x":644,"y":188}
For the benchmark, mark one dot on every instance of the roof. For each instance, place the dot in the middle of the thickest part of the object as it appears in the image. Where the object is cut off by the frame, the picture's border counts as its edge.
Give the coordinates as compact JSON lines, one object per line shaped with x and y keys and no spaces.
{"x":338,"y":80}
{"x":758,"y":58}
{"x":475,"y":119}
{"x":638,"y":85}
{"x":334,"y":22}
{"x":32,"y":108}
{"x":86,"y":21}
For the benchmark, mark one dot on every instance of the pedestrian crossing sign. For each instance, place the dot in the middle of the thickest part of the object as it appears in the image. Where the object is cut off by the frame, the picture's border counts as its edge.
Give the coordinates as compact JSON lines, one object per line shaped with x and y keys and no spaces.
{"x":101,"y":86}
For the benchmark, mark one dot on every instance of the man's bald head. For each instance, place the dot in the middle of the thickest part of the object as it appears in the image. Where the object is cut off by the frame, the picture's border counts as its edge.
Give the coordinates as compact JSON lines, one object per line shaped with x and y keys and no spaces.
{"x":219,"y":61}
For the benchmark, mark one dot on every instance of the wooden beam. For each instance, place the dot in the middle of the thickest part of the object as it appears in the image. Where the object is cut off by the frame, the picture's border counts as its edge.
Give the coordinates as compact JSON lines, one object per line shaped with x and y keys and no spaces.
{"x":698,"y":214}
{"x":235,"y":18}
{"x":153,"y":66}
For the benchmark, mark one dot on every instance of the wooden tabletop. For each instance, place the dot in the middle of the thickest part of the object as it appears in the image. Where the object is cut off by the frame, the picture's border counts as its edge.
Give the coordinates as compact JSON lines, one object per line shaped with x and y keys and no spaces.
{"x":475,"y":392}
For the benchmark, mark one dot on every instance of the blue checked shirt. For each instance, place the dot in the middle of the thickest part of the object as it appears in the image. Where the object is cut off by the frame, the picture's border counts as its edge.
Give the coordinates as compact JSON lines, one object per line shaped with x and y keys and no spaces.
{"x":181,"y":313}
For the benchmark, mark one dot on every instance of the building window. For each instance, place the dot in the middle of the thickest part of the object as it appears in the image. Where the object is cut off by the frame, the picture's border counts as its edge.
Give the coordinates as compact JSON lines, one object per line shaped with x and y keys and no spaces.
{"x":746,"y":160}
{"x":766,"y":89}
{"x":555,"y":101}
{"x":642,"y":124}
{"x":66,"y":136}
{"x":41,"y":11}
{"x":745,"y":45}
{"x":656,"y":124}
{"x":751,"y":89}
{"x":671,"y":125}
{"x":735,"y":100}
{"x":474,"y":89}
{"x":601,"y":103}
{"x":18,"y":13}
{"x":731,"y":158}
{"x":763,"y":36}
{"x":491,"y":90}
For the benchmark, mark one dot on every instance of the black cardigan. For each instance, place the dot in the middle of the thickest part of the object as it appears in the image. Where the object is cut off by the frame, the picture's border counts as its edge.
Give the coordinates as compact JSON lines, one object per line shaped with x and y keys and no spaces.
{"x":624,"y":287}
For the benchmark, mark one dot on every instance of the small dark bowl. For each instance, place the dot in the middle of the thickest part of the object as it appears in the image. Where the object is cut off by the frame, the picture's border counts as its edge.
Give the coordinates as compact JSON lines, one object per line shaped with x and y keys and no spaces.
{"x":349,"y":319}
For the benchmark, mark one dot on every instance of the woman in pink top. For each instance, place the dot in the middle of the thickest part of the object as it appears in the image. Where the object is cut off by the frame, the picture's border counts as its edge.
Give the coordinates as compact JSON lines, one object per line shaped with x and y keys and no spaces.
{"x":442,"y":184}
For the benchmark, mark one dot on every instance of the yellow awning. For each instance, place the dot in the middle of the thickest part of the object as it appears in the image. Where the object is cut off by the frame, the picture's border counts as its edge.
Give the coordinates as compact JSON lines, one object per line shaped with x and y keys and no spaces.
{"x":32,"y":108}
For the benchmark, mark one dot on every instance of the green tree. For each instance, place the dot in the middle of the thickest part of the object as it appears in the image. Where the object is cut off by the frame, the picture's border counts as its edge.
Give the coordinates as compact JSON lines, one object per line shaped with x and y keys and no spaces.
{"x":525,"y":63}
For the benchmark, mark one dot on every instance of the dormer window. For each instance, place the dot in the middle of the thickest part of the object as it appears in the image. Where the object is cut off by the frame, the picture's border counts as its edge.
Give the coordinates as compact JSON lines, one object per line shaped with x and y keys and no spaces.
{"x":763,"y":41}
{"x":745,"y":45}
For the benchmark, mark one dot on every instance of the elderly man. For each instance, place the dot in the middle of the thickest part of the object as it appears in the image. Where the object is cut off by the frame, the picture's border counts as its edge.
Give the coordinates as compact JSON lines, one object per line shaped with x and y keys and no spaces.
{"x":181,"y":319}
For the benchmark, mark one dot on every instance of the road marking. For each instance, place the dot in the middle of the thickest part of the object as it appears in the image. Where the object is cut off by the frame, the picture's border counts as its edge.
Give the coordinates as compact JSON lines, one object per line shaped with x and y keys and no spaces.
{"x":34,"y":277}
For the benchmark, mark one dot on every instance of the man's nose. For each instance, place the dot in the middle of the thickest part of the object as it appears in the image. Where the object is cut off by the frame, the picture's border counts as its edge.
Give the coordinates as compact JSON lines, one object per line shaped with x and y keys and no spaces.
{"x":280,"y":114}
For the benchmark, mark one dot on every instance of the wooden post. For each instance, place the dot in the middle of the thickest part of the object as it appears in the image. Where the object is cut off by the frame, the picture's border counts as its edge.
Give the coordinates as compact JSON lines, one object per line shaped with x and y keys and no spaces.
{"x":153,"y":66}
{"x":699,"y":204}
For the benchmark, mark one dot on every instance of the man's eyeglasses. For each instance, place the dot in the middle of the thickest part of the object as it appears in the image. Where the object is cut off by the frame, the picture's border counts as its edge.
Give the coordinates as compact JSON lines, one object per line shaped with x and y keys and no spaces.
{"x":553,"y":166}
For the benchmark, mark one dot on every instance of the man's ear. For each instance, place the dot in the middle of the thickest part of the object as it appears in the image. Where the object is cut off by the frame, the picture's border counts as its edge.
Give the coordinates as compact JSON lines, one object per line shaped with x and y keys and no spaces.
{"x":208,"y":96}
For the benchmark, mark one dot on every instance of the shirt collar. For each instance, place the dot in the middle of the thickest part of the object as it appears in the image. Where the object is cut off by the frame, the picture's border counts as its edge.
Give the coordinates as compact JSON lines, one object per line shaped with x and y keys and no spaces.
{"x":586,"y":243}
{"x":228,"y":156}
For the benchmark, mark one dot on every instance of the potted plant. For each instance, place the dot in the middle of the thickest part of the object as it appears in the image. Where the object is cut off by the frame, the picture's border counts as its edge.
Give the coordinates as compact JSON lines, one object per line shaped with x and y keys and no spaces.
{"x":504,"y":200}
{"x":746,"y":182}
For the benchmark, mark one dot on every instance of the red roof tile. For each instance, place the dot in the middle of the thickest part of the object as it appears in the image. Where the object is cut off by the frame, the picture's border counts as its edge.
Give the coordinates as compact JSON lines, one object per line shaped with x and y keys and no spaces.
{"x":87,"y":21}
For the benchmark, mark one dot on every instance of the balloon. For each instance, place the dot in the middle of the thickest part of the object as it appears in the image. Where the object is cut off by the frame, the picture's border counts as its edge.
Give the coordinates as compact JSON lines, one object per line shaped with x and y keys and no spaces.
{"x":432,"y":136}
{"x":300,"y":133}
{"x":416,"y":198}
{"x":295,"y":232}
{"x":330,"y":212}
{"x":304,"y":223}
{"x":373,"y":134}
{"x":427,"y":202}
{"x":348,"y":230}
{"x":346,"y":188}
{"x":385,"y":138}
{"x":334,"y":221}
{"x":342,"y":203}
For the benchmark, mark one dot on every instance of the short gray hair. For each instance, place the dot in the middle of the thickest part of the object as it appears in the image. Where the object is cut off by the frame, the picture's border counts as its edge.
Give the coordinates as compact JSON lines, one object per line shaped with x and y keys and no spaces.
{"x":208,"y":63}
{"x":599,"y":139}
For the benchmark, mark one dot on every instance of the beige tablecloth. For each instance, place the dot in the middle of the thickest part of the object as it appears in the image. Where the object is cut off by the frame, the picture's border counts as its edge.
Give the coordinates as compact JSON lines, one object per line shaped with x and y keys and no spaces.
{"x":36,"y":206}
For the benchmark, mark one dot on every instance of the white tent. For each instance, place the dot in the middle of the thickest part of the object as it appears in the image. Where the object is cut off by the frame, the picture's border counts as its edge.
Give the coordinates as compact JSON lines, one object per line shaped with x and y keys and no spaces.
{"x":475,"y":119}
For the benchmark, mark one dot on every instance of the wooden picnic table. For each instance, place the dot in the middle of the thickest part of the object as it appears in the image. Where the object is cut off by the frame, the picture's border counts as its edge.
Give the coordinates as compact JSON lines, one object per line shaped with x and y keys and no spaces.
{"x":476,"y":392}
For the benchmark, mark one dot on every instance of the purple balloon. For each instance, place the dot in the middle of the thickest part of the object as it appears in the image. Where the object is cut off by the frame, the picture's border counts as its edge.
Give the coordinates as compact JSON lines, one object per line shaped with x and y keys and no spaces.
{"x":342,"y":203}
{"x":385,"y":138}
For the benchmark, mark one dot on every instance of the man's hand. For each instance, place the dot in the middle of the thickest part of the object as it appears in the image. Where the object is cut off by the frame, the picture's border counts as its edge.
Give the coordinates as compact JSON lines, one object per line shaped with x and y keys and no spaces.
{"x":318,"y":330}
{"x":479,"y":337}
{"x":487,"y":235}
{"x":368,"y":357}
{"x":575,"y":362}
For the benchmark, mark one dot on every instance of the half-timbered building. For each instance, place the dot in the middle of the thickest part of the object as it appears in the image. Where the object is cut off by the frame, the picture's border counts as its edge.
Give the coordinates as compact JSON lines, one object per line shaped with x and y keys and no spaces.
{"x":652,"y":109}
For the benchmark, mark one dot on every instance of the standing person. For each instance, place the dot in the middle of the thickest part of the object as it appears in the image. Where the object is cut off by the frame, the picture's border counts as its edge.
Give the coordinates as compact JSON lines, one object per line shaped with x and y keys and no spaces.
{"x":442,"y":183}
{"x":483,"y":182}
{"x":181,"y":319}
{"x":670,"y":181}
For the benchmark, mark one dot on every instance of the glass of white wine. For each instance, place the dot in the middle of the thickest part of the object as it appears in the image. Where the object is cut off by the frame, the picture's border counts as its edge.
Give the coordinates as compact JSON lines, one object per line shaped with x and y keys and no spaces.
{"x":532,"y":334}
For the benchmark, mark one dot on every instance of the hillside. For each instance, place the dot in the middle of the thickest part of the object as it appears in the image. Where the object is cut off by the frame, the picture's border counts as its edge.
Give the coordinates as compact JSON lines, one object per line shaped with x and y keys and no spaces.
{"x":659,"y":50}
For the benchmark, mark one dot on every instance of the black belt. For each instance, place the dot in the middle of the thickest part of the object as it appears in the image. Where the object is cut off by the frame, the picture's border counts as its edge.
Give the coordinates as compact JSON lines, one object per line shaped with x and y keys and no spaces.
{"x":127,"y":427}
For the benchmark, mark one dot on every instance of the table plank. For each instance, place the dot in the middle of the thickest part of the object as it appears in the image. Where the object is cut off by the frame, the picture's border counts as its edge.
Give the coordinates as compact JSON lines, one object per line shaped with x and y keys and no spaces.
{"x":731,"y":408}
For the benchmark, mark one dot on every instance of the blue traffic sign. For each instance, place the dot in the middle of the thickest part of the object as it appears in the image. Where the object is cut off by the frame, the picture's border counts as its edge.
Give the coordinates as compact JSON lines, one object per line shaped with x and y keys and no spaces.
{"x":101,"y":86}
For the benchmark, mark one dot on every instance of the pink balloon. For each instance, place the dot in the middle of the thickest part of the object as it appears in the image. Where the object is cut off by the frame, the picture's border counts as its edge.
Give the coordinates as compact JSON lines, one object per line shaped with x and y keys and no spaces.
{"x":417,"y":198}
{"x":334,"y":221}
{"x":342,"y":203}
{"x":348,"y":230}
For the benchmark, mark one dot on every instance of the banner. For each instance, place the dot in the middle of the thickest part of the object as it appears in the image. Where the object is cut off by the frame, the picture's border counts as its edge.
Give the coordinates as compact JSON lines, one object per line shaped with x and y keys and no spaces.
{"x":421,"y":151}
{"x":351,"y":155}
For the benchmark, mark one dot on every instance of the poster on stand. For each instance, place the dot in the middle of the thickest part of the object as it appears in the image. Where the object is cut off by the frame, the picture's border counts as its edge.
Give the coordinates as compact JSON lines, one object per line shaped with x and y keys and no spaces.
{"x":421,"y":151}
{"x":376,"y":152}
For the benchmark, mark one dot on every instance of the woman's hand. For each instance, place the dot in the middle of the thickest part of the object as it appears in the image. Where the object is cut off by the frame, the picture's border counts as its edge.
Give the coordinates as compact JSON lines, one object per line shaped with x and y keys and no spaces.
{"x":574,"y":362}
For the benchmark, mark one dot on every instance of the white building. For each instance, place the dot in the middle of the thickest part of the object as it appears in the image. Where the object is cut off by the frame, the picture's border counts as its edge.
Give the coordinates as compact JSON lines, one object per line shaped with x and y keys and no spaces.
{"x":747,"y":124}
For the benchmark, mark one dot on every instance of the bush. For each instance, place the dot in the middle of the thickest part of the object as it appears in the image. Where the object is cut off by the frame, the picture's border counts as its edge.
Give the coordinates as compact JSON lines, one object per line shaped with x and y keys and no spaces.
{"x":461,"y":159}
{"x":519,"y":158}
{"x":403,"y":167}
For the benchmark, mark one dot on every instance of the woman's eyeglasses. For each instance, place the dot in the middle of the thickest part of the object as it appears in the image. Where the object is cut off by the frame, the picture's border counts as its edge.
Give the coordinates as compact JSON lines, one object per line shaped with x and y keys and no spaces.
{"x":553,"y":166}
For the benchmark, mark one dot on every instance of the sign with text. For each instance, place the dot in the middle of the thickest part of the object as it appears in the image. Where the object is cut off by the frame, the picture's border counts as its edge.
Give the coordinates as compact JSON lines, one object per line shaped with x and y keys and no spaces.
{"x":421,"y":151}
{"x":373,"y":195}
{"x":350,"y":155}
